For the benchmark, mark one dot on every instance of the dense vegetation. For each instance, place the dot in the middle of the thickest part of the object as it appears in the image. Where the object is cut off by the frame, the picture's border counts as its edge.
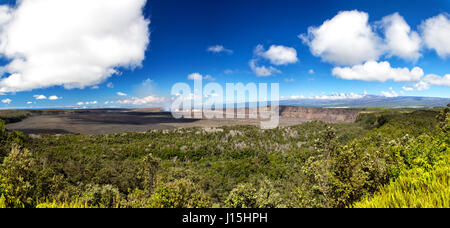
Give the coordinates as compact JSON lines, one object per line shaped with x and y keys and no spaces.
{"x":385,"y":159}
{"x":424,"y":175}
{"x":14,"y":116}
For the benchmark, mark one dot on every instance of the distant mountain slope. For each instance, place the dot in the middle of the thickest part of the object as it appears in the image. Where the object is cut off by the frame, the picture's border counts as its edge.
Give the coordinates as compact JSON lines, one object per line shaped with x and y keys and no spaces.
{"x":371,"y":101}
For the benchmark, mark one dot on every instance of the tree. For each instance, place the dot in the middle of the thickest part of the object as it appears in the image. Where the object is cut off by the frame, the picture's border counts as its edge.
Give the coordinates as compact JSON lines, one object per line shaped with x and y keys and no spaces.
{"x":17,"y":178}
{"x":178,"y":194}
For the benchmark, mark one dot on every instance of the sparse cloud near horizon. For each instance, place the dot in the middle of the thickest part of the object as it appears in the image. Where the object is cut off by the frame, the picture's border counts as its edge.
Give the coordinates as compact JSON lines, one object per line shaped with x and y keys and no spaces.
{"x":195,"y":76}
{"x":219,"y":49}
{"x":289,"y":80}
{"x":391,"y":93}
{"x":43,"y":97}
{"x":145,"y":101}
{"x":408,"y":89}
{"x":332,"y":96}
{"x":198,"y":76}
{"x":87,"y":103}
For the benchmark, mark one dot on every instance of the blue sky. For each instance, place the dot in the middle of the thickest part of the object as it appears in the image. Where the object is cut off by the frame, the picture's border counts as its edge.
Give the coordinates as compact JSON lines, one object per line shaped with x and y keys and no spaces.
{"x":180,"y":33}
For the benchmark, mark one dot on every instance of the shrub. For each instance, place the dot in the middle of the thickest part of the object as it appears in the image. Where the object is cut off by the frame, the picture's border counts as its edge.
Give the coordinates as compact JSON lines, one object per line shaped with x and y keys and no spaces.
{"x":3,"y":144}
{"x":23,"y":180}
{"x":2,"y":129}
{"x":243,"y":196}
{"x":249,"y":196}
{"x":423,"y":179}
{"x":17,"y":179}
{"x":106,"y":196}
{"x":178,"y":194}
{"x":415,"y":188}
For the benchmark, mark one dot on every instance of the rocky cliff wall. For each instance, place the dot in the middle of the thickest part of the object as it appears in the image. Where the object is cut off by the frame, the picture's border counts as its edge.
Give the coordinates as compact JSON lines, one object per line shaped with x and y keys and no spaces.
{"x":324,"y":114}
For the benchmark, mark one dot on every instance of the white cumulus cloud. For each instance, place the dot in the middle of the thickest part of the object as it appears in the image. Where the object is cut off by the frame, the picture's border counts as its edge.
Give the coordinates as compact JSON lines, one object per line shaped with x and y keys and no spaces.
{"x":40,"y":97}
{"x":399,"y":38}
{"x":346,"y":39}
{"x":43,"y":97}
{"x":437,"y":80}
{"x":422,"y":86}
{"x":436,"y":33}
{"x":278,"y":54}
{"x":432,"y":79}
{"x":6,"y":101}
{"x":53,"y":98}
{"x":121,"y":94}
{"x":429,"y":80}
{"x":70,"y":43}
{"x":378,"y":71}
{"x":262,"y":71}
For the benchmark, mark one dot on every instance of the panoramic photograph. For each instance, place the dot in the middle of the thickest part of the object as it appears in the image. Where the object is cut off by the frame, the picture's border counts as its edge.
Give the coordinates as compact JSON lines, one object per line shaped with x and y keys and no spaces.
{"x":220,"y":104}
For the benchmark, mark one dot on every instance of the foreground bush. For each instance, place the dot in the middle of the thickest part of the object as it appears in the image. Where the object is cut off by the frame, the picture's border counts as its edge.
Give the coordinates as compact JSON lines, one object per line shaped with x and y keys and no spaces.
{"x":17,"y":182}
{"x":340,"y":175}
{"x":249,"y":196}
{"x":179,"y":194}
{"x":423,"y":179}
{"x":415,"y":188}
